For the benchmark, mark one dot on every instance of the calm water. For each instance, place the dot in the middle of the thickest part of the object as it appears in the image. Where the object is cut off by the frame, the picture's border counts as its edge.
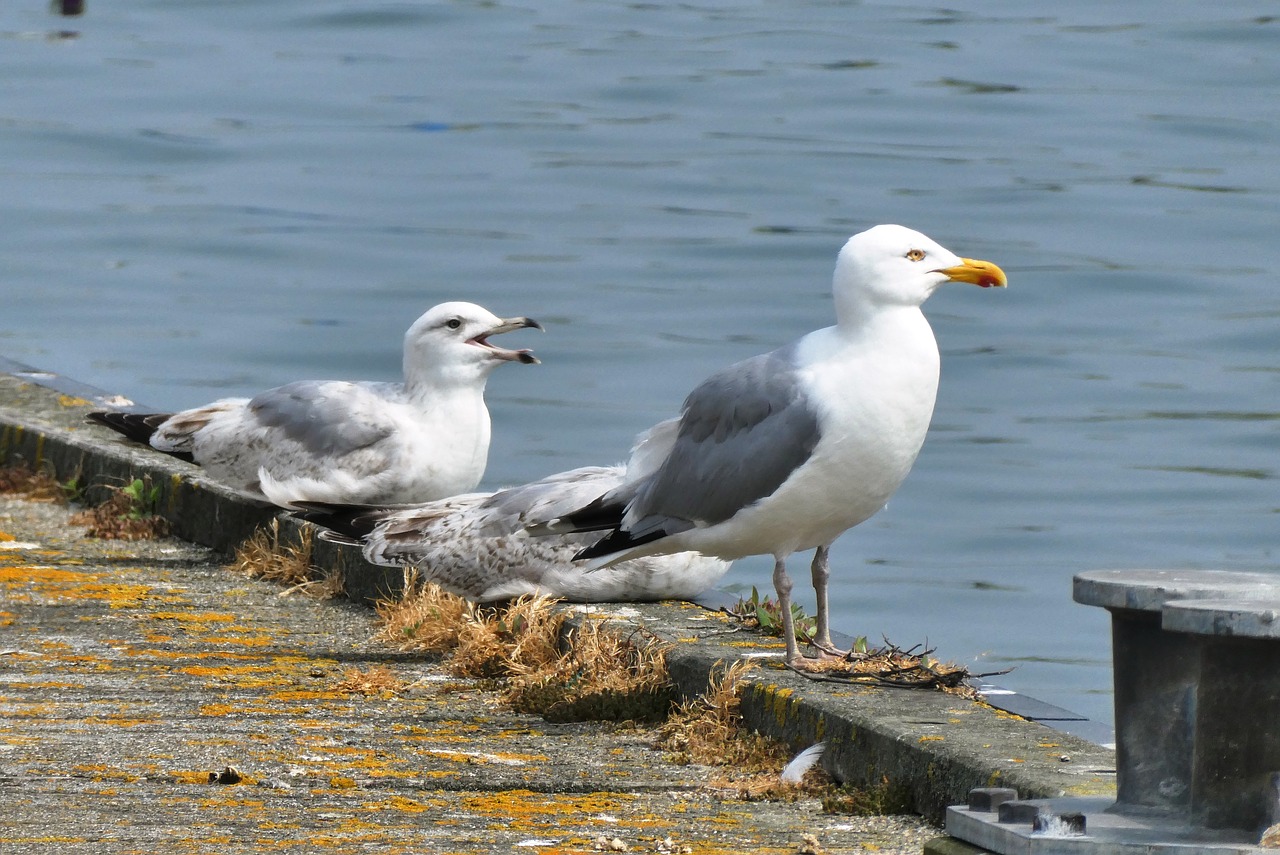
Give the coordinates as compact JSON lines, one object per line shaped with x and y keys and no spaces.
{"x":201,"y":199}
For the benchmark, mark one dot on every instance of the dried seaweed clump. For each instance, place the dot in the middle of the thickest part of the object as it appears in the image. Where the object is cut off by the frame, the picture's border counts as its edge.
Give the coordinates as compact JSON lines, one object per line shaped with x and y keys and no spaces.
{"x":708,"y":730}
{"x":890,"y":665}
{"x":21,"y":479}
{"x":267,"y":555}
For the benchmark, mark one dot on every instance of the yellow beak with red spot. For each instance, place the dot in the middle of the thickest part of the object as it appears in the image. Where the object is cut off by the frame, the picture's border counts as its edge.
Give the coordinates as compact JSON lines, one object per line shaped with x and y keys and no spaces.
{"x":984,"y":274}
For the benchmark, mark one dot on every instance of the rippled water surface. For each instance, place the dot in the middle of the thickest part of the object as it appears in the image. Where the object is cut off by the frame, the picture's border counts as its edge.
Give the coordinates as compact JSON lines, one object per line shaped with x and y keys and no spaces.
{"x":200,"y":199}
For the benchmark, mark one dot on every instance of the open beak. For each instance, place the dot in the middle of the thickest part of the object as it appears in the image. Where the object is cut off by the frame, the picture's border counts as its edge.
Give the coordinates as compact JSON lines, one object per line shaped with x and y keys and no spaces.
{"x":984,"y":274}
{"x":507,"y":325}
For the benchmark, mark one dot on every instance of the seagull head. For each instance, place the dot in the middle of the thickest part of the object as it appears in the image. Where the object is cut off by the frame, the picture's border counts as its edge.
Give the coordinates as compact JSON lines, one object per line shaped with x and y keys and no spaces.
{"x":451,"y":340}
{"x":892,"y":265}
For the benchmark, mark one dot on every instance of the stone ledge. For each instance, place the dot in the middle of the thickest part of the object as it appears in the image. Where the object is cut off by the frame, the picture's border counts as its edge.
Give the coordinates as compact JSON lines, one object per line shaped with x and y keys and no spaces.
{"x":938,"y":746}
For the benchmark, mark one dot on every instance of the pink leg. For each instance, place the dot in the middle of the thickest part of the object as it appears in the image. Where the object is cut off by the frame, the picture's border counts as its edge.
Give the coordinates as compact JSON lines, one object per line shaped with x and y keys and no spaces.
{"x":782,"y":586}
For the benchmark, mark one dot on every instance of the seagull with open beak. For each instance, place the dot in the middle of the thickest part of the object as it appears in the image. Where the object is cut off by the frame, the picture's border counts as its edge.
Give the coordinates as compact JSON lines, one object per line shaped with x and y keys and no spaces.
{"x":354,"y":442}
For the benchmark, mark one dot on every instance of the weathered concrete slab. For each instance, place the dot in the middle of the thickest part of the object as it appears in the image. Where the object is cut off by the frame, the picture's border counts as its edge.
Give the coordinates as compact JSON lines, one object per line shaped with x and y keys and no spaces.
{"x":131,"y":672}
{"x":937,"y":745}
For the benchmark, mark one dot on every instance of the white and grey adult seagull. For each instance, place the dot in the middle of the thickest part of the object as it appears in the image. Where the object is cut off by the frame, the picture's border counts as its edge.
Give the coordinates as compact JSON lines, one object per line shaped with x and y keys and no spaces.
{"x":353,"y":442}
{"x":475,"y":545}
{"x":787,"y":450}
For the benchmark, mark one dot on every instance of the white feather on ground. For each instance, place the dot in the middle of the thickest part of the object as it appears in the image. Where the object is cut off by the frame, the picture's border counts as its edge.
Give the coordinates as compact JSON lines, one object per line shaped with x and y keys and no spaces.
{"x":794,"y":772}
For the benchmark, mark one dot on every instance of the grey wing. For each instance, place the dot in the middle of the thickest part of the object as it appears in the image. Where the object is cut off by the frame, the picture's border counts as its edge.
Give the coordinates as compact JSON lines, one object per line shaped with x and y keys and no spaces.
{"x":515,"y":508}
{"x":326,"y":417}
{"x":743,"y":432}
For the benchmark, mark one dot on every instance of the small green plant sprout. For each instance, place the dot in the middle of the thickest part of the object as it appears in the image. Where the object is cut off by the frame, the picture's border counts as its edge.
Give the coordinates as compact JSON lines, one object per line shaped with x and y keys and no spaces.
{"x":73,"y":490}
{"x":765,"y":615}
{"x":144,"y":500}
{"x":130,"y":512}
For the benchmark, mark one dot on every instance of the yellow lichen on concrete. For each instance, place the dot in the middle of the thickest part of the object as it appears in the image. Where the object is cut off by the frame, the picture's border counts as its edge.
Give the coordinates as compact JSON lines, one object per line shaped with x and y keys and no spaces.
{"x":526,"y":809}
{"x":195,"y":617}
{"x":1094,"y":786}
{"x":44,"y":578}
{"x":100,"y":772}
{"x":117,"y":721}
{"x":999,"y":713}
{"x":307,"y":695}
{"x":242,"y":641}
{"x":245,"y":676}
{"x":402,"y":804}
{"x":116,"y":595}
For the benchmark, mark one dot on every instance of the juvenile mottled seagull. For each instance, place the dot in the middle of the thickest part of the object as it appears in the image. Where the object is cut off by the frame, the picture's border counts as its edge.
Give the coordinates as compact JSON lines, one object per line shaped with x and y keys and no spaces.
{"x":785,"y":451}
{"x":476,"y":546}
{"x":353,"y":442}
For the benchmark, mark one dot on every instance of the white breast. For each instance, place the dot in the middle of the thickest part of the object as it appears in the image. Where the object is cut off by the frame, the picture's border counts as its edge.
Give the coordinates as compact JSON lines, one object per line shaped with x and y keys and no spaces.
{"x":874,"y":395}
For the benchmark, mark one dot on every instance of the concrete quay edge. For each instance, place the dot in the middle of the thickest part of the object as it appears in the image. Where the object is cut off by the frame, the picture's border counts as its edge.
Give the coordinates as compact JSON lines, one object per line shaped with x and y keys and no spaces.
{"x":936,"y":746}
{"x":131,"y":672}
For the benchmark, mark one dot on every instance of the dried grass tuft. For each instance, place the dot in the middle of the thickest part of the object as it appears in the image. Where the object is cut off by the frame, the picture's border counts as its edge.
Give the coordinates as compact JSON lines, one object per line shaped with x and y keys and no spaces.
{"x":708,"y":730}
{"x":267,"y":556}
{"x":427,"y":619}
{"x":600,"y":677}
{"x":486,"y":641}
{"x":504,"y":641}
{"x":596,"y":675}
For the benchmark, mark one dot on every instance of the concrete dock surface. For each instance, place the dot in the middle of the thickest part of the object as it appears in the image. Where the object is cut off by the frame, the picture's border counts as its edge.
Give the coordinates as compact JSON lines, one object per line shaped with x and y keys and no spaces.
{"x":133,"y":672}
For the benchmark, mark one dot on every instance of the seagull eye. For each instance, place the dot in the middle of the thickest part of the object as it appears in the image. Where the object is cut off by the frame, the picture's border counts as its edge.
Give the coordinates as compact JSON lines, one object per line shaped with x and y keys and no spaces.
{"x":453,"y":323}
{"x":915,"y":255}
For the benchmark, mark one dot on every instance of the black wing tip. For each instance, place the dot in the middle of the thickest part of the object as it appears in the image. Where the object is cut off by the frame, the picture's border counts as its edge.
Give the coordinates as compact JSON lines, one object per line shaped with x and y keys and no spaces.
{"x":125,"y":423}
{"x":138,"y":427}
{"x":614,"y":542}
{"x":347,"y":524}
{"x":601,"y":514}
